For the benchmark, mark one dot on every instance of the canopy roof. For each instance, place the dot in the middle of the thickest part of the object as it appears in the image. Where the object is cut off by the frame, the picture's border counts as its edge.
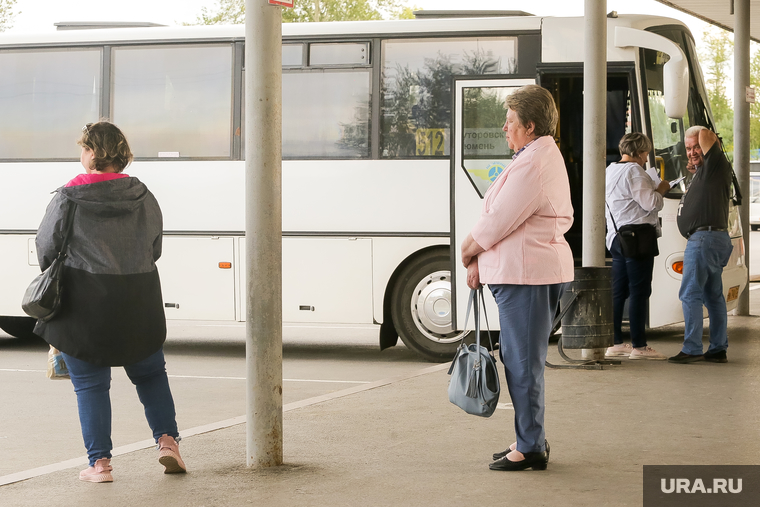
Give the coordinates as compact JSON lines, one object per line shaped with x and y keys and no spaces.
{"x":718,"y":12}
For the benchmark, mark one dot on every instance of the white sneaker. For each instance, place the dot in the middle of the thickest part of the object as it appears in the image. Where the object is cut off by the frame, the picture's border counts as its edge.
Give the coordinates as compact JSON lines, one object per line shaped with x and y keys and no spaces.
{"x":620,"y":350}
{"x":646,"y":353}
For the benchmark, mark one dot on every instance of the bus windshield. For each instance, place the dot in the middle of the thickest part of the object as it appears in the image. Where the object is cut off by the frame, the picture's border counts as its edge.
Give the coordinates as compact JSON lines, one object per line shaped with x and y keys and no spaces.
{"x":668,"y":133}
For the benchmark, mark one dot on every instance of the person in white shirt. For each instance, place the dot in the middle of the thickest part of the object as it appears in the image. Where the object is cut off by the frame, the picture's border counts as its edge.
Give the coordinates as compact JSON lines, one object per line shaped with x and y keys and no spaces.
{"x":633,"y":198}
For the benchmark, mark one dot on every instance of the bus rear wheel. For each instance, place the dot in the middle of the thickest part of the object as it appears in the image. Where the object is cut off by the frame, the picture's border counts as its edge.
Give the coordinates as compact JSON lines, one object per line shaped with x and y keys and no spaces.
{"x":421,"y":306}
{"x":19,"y":327}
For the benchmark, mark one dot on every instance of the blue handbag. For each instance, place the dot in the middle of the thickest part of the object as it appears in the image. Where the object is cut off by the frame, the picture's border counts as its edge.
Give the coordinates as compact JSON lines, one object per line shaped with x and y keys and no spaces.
{"x":474,"y":384}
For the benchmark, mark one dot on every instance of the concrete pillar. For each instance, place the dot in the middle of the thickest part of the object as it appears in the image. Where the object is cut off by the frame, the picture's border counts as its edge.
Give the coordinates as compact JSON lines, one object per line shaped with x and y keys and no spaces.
{"x":263,"y":232}
{"x":594,"y":138}
{"x":741,"y":125}
{"x":594,"y":130}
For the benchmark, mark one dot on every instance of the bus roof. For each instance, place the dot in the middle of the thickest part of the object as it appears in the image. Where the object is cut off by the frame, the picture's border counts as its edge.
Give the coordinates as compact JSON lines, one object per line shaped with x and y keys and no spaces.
{"x":343,"y":29}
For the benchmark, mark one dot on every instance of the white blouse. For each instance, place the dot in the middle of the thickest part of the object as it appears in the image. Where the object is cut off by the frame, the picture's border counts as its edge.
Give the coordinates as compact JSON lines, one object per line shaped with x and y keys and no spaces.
{"x":632,"y":197}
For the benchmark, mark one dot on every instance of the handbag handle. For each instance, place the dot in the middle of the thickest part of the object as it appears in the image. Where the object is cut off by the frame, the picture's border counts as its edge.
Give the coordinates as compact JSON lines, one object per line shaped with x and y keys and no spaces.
{"x":69,"y":226}
{"x":478,"y":301}
{"x":612,"y":217}
{"x":485,"y":316}
{"x":476,"y":296}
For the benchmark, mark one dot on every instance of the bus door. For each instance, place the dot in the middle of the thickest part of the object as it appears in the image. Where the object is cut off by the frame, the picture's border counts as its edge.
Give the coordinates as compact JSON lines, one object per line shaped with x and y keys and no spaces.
{"x":479,"y":154}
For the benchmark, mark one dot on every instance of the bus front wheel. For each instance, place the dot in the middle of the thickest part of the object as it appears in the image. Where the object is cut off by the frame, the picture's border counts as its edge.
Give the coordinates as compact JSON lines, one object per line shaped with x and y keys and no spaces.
{"x":421,"y":306}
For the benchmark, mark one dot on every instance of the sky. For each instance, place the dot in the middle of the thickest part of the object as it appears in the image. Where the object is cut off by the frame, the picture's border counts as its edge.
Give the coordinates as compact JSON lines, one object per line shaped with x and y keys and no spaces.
{"x":40,"y":15}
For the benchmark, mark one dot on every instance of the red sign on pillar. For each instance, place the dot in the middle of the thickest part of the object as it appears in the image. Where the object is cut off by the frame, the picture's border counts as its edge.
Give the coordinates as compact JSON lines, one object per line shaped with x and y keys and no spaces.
{"x":284,"y":3}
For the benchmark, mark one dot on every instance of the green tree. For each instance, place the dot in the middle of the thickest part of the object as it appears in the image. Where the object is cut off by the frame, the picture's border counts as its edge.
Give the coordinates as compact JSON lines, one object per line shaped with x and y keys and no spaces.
{"x":228,"y":12}
{"x":717,"y":59}
{"x":6,"y":14}
{"x":233,"y":11}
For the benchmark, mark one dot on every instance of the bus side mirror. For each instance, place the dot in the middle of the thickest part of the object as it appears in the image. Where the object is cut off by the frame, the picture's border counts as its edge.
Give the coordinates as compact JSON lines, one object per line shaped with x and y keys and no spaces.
{"x":675,"y":72}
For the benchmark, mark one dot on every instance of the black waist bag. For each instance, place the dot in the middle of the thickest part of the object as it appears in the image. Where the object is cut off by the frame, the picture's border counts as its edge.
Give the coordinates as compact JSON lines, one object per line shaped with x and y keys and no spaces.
{"x":638,"y":241}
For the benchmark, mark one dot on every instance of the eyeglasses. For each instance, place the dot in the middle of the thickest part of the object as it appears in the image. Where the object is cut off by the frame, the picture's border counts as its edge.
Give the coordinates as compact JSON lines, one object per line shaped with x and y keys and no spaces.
{"x":86,"y":128}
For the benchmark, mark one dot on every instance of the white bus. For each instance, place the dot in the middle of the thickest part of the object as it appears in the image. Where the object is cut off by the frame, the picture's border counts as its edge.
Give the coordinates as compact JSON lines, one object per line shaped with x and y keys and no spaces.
{"x":367,"y":115}
{"x":754,"y":196}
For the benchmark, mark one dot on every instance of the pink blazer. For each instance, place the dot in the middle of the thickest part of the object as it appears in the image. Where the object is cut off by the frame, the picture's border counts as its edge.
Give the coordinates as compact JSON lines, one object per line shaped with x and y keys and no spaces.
{"x":526,"y":213}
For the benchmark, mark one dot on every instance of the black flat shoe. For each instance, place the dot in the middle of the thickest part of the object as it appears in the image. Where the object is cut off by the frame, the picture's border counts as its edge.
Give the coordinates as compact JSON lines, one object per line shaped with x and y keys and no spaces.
{"x":716,"y":357}
{"x":534,"y":460}
{"x":499,"y":455}
{"x":683,"y":358}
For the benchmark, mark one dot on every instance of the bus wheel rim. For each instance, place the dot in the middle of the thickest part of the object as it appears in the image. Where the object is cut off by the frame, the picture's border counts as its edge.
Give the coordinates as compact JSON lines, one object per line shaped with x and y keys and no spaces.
{"x":431,"y":308}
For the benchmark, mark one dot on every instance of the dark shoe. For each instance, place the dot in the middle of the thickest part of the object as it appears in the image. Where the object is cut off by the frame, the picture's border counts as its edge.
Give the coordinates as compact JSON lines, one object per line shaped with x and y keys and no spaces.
{"x":534,"y":460}
{"x":683,"y":358}
{"x":497,"y":456}
{"x":716,"y":357}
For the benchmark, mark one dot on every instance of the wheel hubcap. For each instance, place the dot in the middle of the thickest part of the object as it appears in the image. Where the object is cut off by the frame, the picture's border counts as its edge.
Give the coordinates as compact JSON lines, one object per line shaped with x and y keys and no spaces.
{"x":431,"y":307}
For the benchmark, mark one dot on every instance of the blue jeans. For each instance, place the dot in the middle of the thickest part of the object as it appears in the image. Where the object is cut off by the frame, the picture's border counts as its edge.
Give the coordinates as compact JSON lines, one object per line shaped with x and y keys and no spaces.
{"x":631,"y":280}
{"x":92,"y":385}
{"x":526,"y":313}
{"x":707,"y":253}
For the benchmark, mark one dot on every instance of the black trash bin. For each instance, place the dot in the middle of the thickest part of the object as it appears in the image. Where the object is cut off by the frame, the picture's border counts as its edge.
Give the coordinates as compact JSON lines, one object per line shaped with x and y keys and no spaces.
{"x":588,"y":322}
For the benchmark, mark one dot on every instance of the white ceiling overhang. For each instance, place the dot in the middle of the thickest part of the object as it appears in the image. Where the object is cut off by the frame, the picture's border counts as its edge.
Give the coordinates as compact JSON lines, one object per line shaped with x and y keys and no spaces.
{"x":718,"y":12}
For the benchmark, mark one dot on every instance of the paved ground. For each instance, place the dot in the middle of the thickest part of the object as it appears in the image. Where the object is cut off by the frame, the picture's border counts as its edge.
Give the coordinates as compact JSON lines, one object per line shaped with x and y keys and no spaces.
{"x":206,"y":366}
{"x":400,"y":442}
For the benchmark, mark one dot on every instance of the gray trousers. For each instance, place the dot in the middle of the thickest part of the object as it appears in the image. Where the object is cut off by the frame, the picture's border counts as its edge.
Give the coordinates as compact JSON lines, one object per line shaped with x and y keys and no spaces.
{"x":526,"y":313}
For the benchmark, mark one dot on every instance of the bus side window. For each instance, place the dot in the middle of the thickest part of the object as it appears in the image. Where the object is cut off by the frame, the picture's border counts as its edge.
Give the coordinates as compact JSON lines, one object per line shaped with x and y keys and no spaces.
{"x":325,"y":102}
{"x":292,"y":55}
{"x":44,"y":103}
{"x":325,"y":113}
{"x":174,"y":100}
{"x":415,"y":108}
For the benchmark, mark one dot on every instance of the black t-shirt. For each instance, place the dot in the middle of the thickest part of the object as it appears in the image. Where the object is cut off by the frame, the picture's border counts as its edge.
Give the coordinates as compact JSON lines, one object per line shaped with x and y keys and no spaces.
{"x":705,"y":202}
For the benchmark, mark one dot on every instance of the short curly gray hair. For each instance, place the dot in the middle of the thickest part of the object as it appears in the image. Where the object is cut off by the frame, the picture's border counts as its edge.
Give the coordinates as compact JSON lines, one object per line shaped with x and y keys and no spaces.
{"x":693,"y":131}
{"x":535,"y":104}
{"x":634,"y":143}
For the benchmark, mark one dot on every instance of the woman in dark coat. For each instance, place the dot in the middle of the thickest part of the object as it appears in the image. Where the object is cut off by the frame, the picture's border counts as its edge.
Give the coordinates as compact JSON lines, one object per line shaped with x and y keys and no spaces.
{"x":111,"y":312}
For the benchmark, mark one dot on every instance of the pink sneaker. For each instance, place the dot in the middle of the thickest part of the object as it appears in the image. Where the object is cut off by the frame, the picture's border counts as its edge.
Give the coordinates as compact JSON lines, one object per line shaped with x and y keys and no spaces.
{"x":99,"y":472}
{"x":620,"y":350}
{"x":647,"y":353}
{"x":168,"y":455}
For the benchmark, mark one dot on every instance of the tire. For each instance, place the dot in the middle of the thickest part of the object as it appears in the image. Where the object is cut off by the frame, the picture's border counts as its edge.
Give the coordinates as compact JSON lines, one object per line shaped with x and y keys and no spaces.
{"x":19,"y":327}
{"x":421,"y":306}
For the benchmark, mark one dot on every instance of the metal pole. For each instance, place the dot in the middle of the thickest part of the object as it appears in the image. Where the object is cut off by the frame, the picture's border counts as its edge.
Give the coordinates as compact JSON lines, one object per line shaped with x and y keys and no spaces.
{"x":594,"y":130}
{"x":263,"y":232}
{"x":741,"y":125}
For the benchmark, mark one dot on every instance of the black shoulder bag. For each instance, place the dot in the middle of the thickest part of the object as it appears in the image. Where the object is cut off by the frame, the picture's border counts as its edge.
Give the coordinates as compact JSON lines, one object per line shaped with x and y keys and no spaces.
{"x":638,"y":241}
{"x":42,"y":298}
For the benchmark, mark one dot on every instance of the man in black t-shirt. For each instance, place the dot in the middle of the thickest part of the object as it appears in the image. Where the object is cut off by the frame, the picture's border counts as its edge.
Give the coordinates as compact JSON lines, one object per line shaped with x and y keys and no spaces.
{"x":703,"y":220}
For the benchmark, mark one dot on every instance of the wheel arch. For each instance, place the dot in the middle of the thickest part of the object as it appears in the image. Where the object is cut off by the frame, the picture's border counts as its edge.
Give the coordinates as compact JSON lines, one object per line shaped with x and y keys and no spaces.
{"x":388,"y":333}
{"x":19,"y":327}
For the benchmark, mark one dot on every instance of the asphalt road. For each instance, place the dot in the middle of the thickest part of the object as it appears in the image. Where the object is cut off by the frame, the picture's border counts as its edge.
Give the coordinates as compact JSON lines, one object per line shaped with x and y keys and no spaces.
{"x":206,"y":366}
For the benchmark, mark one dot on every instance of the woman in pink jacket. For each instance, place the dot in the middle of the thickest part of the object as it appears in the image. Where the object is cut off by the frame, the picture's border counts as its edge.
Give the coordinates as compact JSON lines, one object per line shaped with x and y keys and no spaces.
{"x":518,"y":248}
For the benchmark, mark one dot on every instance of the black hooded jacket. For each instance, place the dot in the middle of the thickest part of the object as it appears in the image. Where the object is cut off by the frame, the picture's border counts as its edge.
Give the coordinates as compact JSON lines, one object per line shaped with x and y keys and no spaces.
{"x":111,"y":310}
